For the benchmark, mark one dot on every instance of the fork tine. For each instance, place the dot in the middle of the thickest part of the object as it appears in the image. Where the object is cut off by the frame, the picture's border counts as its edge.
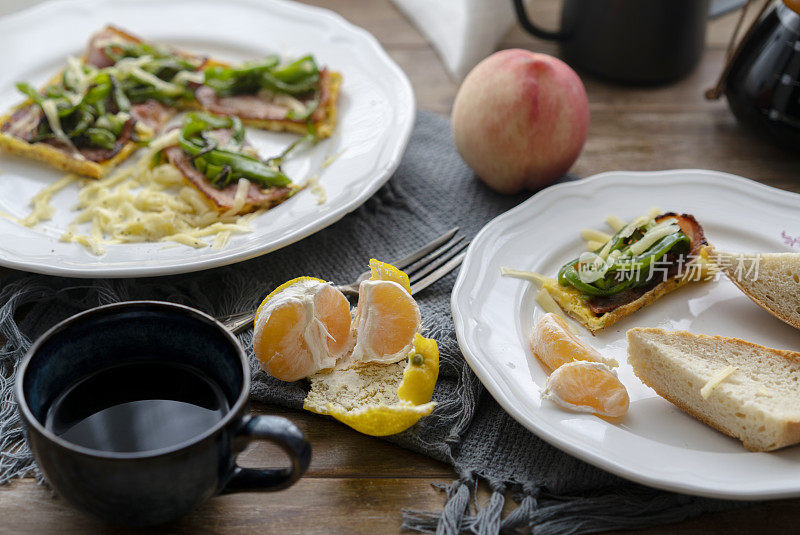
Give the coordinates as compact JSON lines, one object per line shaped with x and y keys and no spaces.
{"x":438,"y":274}
{"x":437,"y":258}
{"x":403,"y":263}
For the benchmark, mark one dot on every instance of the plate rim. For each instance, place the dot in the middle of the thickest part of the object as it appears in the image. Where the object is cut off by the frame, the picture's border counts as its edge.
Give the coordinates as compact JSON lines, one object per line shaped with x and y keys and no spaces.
{"x":406,"y":118}
{"x":576,"y":449}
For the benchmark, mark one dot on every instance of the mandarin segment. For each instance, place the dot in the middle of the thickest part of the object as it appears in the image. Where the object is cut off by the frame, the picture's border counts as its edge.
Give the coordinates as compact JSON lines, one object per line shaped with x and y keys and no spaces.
{"x":386,"y":321}
{"x":554,"y":344}
{"x":280,"y":346}
{"x":592,"y":387}
{"x":333,"y":310}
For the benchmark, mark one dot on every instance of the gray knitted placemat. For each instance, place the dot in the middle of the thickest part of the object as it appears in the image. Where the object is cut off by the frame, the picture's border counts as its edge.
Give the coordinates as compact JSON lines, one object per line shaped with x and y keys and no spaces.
{"x":432,"y":191}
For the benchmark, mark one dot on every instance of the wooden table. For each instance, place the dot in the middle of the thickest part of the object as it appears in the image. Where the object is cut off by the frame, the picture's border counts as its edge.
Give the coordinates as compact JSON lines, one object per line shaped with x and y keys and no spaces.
{"x":358,"y":484}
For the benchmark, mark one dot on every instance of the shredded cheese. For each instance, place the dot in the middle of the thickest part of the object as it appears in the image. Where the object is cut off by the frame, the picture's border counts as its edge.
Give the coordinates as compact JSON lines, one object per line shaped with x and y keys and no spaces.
{"x":651,"y":237}
{"x":531,"y":276}
{"x":197,"y":77}
{"x":589,"y":234}
{"x":331,"y":158}
{"x":592,"y":245}
{"x":132,"y":67}
{"x":715,"y":381}
{"x":317,"y":189}
{"x":42,"y":209}
{"x":143,"y":204}
{"x":290,"y":102}
{"x":240,"y":197}
{"x":51,"y":113}
{"x":615,"y":223}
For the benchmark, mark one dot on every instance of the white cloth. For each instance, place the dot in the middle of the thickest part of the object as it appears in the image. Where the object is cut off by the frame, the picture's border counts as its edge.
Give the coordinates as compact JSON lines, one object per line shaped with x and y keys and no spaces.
{"x":463,"y":32}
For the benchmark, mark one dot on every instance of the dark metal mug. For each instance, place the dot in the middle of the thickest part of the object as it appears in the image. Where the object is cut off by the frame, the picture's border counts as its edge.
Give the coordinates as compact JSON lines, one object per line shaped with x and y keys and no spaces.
{"x":633,"y":41}
{"x":150,"y":487}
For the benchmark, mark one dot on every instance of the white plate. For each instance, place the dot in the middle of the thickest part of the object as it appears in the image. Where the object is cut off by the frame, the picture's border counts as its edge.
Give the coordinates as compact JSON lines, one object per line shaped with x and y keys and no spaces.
{"x":376,"y":115}
{"x":656,"y":444}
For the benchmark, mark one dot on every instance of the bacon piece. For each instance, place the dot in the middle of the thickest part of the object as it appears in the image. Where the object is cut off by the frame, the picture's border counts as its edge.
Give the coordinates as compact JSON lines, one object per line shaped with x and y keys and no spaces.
{"x":23,"y":122}
{"x":691,"y":228}
{"x":95,"y":50}
{"x":152,"y":113}
{"x":223,"y":198}
{"x":257,"y":108}
{"x":96,"y":54}
{"x":600,"y":305}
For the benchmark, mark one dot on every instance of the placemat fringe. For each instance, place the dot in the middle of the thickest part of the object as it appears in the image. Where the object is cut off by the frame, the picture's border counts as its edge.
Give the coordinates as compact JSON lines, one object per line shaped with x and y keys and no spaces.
{"x":487,"y":520}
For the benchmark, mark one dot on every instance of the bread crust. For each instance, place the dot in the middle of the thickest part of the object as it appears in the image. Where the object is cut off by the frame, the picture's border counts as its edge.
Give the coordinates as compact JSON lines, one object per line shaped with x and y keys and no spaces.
{"x":790,"y":432}
{"x":726,"y":268}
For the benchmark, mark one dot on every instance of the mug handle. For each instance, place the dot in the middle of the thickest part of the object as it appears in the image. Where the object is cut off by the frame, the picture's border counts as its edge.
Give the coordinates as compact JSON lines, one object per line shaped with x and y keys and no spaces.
{"x":286,"y":435}
{"x":530,"y":27}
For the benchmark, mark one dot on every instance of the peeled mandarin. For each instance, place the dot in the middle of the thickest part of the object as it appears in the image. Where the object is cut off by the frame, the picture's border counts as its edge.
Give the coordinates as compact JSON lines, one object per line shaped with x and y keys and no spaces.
{"x":554,"y":344}
{"x":300,"y":328}
{"x":592,"y":387}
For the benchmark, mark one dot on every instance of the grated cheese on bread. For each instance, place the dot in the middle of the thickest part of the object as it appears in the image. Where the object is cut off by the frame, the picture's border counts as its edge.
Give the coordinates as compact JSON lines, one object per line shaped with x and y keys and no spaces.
{"x":757,"y":402}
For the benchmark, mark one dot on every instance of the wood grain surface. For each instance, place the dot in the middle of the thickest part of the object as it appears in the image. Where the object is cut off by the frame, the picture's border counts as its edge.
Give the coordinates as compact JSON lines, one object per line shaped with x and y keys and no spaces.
{"x":359,"y":484}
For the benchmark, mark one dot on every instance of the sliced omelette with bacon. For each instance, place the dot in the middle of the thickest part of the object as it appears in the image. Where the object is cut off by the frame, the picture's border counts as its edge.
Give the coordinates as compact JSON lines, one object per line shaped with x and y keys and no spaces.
{"x":211,"y":152}
{"x":91,"y":116}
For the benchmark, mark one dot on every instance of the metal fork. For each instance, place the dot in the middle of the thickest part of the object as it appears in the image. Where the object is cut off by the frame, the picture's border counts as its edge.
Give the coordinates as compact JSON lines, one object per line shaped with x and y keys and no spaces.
{"x":424,"y":266}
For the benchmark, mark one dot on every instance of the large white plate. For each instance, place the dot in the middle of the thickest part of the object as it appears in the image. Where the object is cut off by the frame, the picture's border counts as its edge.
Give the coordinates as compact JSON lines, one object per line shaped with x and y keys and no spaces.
{"x":376,"y":109}
{"x":656,"y":444}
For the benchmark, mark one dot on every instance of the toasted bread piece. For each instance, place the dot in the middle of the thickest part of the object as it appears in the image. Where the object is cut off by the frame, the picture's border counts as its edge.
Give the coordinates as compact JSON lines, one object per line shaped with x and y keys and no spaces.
{"x":771,"y":280}
{"x":758,"y":403}
{"x":571,"y":301}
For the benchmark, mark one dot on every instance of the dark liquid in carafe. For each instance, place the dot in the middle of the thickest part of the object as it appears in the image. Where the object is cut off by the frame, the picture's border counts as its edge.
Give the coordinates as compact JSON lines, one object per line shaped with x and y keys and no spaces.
{"x":137,"y":407}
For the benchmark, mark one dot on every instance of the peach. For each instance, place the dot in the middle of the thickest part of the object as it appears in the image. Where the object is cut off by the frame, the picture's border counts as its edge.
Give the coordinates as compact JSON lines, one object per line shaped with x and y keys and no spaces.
{"x":520,"y":119}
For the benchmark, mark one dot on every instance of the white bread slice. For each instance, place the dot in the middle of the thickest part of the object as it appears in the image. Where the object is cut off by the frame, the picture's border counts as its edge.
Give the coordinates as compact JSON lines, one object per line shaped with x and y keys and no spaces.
{"x":771,"y":280}
{"x":759,"y":403}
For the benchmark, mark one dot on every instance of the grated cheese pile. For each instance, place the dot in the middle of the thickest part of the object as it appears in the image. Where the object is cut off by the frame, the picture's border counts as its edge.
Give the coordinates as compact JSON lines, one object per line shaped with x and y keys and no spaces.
{"x":143,"y":204}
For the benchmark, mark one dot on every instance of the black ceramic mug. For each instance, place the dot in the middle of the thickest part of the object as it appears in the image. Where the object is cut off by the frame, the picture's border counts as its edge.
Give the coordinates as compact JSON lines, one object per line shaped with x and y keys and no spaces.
{"x":634,"y":41}
{"x":121,"y":349}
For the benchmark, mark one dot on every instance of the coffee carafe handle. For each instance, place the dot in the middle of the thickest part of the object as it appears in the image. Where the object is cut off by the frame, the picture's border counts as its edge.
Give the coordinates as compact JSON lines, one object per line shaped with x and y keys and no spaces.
{"x":531,"y":28}
{"x":283,"y":433}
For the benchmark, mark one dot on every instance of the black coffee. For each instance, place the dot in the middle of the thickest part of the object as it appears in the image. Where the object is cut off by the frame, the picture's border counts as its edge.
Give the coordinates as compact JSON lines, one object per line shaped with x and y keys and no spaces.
{"x":137,"y":407}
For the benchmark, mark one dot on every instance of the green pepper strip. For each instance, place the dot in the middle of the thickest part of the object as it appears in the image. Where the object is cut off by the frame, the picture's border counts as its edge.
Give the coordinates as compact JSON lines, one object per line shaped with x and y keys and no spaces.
{"x":652,"y":255}
{"x":572,"y":276}
{"x":241,"y":165}
{"x":568,"y":274}
{"x":123,"y":103}
{"x":28,"y":90}
{"x":298,"y":77}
